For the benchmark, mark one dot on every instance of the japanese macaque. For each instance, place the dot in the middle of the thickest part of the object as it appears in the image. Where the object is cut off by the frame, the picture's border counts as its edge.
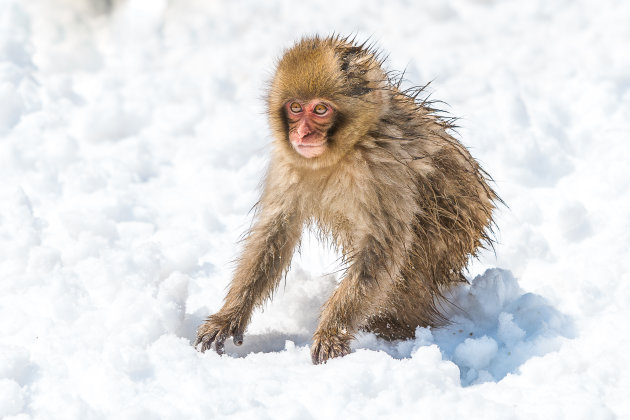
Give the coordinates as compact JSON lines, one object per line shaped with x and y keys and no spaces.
{"x":376,"y":170}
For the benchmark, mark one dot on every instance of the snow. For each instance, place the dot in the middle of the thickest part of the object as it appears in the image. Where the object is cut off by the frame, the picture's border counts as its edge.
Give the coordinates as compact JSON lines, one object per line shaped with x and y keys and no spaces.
{"x":132,"y":144}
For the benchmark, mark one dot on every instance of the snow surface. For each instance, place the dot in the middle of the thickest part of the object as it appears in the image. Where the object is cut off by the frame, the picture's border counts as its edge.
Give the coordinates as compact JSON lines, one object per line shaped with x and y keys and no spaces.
{"x":132,"y":143}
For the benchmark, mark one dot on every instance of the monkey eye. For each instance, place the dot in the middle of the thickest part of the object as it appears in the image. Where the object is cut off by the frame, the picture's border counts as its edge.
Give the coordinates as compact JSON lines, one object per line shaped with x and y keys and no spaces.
{"x":295,"y":107}
{"x":320,"y":109}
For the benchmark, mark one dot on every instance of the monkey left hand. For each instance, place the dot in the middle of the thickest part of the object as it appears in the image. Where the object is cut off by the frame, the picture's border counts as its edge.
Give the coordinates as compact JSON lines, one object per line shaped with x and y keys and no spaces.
{"x":217,"y":329}
{"x":327,"y":344}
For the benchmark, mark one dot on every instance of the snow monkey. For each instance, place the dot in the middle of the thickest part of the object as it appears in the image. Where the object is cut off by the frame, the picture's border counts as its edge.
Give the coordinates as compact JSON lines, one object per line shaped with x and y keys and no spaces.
{"x":376,"y":170}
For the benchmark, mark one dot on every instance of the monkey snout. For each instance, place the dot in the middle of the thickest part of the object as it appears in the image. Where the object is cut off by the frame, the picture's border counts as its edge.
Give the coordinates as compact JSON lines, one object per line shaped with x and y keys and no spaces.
{"x":304,"y":133}
{"x":303,"y":129}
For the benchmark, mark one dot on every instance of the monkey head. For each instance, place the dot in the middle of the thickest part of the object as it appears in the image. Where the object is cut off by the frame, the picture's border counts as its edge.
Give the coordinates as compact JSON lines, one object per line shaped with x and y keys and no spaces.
{"x":308,"y":125}
{"x":323,"y":99}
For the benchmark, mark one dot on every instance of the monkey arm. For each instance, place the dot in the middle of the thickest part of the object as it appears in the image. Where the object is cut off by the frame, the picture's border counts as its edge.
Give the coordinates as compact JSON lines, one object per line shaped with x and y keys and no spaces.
{"x":267,"y":254}
{"x":373,"y":268}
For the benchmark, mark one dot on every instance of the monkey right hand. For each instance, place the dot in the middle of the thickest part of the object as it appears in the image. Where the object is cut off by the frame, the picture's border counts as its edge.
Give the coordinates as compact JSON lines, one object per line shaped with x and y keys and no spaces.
{"x":217,"y":329}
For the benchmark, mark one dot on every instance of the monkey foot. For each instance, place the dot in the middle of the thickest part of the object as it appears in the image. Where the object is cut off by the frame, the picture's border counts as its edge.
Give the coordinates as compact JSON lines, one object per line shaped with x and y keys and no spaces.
{"x":328,"y":345}
{"x":216,"y":330}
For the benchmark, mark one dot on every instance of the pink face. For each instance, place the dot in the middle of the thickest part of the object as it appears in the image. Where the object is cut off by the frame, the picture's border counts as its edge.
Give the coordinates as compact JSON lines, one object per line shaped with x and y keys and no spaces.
{"x":309,"y":123}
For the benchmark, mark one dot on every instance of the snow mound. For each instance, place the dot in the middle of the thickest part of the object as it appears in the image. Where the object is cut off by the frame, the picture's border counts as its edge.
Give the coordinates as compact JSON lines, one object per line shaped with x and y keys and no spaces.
{"x":494,"y":329}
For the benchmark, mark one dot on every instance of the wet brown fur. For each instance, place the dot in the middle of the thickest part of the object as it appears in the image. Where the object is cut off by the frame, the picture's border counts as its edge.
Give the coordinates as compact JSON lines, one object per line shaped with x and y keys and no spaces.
{"x":404,"y":201}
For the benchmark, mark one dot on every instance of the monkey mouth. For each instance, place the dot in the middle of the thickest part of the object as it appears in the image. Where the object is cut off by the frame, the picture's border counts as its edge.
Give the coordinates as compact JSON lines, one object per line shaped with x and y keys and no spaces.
{"x":311,"y":144}
{"x":310,"y":150}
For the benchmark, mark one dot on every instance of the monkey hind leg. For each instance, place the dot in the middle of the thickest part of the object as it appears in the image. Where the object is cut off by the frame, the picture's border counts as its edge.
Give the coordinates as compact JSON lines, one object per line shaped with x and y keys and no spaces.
{"x":408,"y":305}
{"x":388,"y":327}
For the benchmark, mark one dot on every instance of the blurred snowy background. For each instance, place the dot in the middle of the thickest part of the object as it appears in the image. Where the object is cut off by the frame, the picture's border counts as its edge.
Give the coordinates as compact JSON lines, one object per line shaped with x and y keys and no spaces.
{"x":132,"y":143}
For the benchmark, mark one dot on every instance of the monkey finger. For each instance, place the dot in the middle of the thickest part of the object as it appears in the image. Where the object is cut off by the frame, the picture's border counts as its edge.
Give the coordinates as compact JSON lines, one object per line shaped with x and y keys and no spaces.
{"x":199,"y":339}
{"x":317,"y":356}
{"x":238,"y":338}
{"x":206,"y":343}
{"x":220,"y":344}
{"x":206,"y":340}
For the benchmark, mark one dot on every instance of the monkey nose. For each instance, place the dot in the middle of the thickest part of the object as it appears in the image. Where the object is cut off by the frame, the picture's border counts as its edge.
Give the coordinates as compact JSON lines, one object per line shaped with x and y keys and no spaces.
{"x":303,"y":129}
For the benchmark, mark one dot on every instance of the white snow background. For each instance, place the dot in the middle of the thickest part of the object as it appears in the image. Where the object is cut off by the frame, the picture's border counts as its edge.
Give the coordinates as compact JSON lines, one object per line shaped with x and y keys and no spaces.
{"x":132,"y":144}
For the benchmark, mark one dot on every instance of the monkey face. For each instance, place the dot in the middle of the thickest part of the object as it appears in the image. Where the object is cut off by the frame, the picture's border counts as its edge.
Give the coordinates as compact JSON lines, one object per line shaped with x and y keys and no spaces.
{"x":308,"y":125}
